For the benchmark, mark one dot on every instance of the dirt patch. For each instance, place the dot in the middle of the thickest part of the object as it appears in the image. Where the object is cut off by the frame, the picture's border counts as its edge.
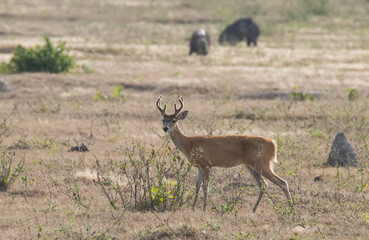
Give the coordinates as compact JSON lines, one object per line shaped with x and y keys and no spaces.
{"x":86,"y":174}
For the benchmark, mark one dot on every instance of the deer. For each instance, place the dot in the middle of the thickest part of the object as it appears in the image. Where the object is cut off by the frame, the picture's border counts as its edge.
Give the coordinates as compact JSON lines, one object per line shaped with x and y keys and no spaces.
{"x":205,"y":152}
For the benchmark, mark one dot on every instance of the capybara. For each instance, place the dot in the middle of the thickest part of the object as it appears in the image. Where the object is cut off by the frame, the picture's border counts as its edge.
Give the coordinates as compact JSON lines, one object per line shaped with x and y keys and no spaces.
{"x":200,"y":42}
{"x":239,"y":30}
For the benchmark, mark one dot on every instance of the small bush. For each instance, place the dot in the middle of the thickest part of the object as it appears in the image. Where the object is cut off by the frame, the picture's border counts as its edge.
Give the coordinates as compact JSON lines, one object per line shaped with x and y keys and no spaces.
{"x":352,"y":94}
{"x":87,"y":69}
{"x":117,"y":95}
{"x":5,"y":68}
{"x":239,"y":114}
{"x":8,"y":171}
{"x":301,"y":96}
{"x":45,"y":58}
{"x":144,"y":180}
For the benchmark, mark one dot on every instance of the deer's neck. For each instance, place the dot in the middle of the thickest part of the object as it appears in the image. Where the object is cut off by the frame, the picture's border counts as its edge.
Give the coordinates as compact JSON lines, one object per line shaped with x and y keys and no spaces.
{"x":179,"y":139}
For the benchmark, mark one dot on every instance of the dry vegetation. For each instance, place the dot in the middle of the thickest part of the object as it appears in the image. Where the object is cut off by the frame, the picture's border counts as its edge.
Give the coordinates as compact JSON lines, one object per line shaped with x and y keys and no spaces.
{"x":318,"y":48}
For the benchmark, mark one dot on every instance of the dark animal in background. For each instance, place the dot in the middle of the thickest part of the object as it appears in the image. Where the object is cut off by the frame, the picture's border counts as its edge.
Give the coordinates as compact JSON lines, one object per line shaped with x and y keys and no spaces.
{"x":239,"y":30}
{"x":200,"y":42}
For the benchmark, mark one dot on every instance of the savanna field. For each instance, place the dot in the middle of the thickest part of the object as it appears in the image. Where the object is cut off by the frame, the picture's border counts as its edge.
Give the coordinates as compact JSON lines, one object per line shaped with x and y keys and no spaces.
{"x":306,"y":81}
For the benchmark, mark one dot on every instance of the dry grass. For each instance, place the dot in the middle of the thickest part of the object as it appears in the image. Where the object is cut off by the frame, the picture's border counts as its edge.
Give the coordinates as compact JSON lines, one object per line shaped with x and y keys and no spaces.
{"x":142,"y":45}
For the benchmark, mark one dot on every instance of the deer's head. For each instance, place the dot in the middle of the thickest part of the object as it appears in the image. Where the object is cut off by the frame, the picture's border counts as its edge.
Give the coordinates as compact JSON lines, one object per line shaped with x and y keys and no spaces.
{"x":170,"y":121}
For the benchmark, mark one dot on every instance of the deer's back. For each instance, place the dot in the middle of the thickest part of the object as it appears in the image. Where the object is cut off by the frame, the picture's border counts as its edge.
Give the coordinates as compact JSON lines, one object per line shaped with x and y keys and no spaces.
{"x":229,"y":151}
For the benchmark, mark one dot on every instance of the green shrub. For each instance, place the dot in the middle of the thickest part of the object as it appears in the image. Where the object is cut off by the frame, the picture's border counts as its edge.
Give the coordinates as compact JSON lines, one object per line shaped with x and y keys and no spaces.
{"x":45,"y":58}
{"x":8,"y":171}
{"x":301,"y":96}
{"x":352,"y":94}
{"x":155,"y":180}
{"x":5,"y":68}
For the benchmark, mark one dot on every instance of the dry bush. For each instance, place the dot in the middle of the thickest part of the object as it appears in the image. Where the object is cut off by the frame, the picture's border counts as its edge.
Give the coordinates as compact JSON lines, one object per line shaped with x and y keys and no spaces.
{"x":145,"y":180}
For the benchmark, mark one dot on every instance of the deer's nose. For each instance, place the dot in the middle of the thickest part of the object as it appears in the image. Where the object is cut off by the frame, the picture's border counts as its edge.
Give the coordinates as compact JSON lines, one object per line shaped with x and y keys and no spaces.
{"x":165,"y":129}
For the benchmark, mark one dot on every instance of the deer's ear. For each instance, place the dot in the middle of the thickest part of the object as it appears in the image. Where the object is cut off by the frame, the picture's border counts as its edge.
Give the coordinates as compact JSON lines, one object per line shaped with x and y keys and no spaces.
{"x":182,"y":115}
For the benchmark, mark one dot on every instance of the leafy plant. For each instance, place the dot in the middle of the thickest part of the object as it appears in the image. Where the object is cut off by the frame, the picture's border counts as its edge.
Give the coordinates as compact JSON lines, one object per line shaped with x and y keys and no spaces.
{"x":239,"y":114}
{"x":5,"y":68}
{"x":87,"y":69}
{"x":117,"y":91}
{"x":301,"y":96}
{"x":45,"y":143}
{"x":28,"y":181}
{"x":9,"y":172}
{"x":117,"y":95}
{"x":352,"y":94}
{"x":154,"y":180}
{"x":76,"y":196}
{"x":213,"y":225}
{"x":317,"y":133}
{"x":99,"y":95}
{"x":45,"y":58}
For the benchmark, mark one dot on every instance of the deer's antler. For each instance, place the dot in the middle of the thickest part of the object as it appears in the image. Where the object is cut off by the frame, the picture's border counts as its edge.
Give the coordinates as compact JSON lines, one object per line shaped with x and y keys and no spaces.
{"x":162,"y":110}
{"x":177,"y":111}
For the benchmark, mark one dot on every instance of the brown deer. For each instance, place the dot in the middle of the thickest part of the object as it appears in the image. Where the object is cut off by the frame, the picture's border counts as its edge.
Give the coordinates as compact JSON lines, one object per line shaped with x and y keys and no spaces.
{"x":205,"y":152}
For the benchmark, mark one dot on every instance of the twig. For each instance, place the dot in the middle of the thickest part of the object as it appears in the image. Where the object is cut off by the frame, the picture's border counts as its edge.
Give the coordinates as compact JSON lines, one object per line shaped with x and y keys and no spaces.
{"x":102,"y":185}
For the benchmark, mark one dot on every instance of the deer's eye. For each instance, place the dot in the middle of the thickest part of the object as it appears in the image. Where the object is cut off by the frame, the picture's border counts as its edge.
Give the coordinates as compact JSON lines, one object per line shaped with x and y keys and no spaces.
{"x":163,"y":121}
{"x":173,"y":121}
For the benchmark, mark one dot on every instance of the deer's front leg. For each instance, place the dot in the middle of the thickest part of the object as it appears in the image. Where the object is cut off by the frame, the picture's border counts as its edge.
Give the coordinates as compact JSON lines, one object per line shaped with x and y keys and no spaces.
{"x":198,"y":186}
{"x":206,"y":176}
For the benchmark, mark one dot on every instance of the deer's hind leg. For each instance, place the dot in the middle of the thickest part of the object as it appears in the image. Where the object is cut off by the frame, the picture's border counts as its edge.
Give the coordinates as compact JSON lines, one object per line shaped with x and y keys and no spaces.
{"x":262,"y":186}
{"x":270,"y":175}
